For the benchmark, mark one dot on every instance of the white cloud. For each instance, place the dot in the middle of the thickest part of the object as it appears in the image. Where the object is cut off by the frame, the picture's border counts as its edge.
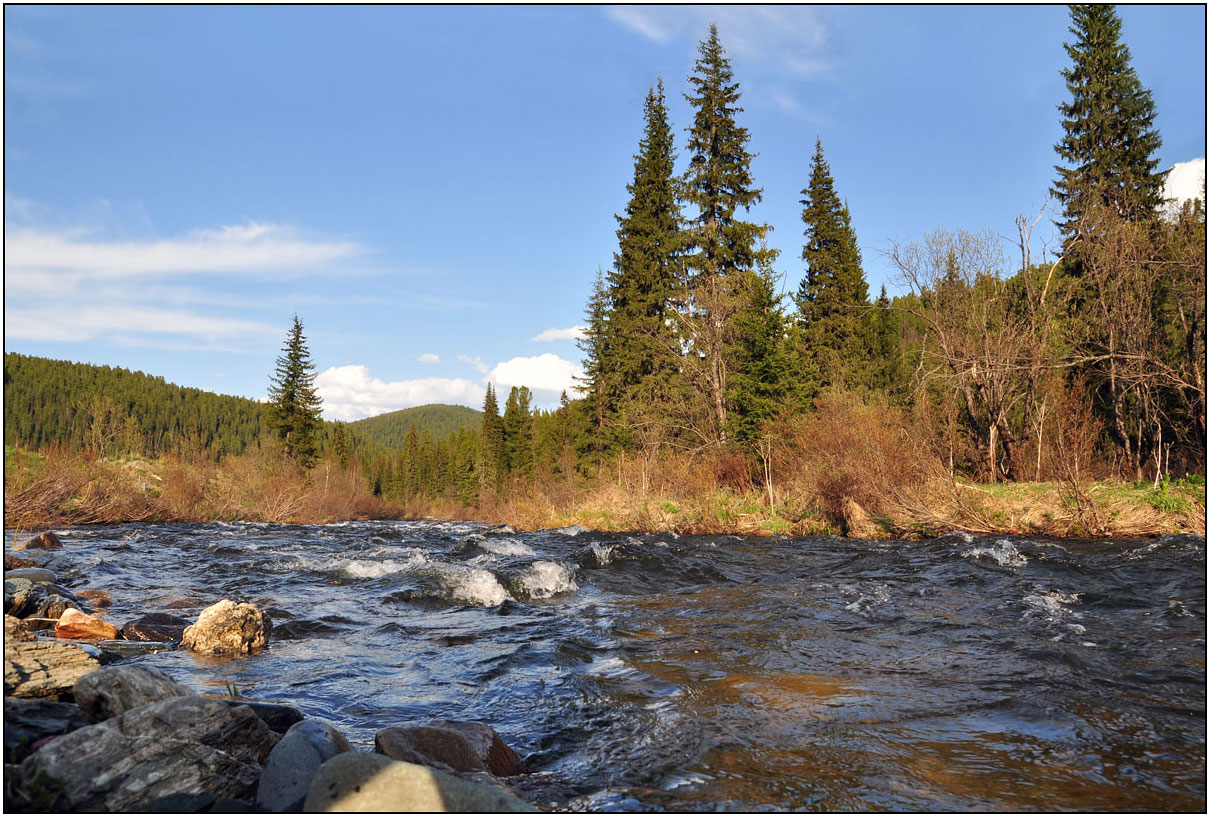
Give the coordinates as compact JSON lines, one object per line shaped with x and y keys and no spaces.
{"x":1185,"y":181}
{"x":429,"y":357}
{"x":88,"y":322}
{"x":350,"y":393}
{"x":474,"y":361}
{"x":546,"y":375}
{"x":572,"y":333}
{"x":791,"y":39}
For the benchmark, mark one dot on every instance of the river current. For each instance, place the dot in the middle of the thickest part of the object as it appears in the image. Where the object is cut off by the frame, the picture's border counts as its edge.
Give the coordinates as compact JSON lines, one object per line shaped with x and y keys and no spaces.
{"x":689,"y":673}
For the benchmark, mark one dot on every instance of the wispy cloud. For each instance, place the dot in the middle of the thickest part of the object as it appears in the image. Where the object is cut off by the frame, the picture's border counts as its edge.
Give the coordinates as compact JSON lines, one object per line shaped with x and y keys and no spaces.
{"x":474,"y":361}
{"x":351,"y":393}
{"x":791,"y":39}
{"x":429,"y":357}
{"x":571,"y":333}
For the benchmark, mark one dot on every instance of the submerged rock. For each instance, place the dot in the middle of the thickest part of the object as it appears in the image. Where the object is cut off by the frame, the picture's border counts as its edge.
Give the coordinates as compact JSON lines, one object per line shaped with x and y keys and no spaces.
{"x":155,"y":627}
{"x":34,"y":574}
{"x":294,"y":762}
{"x":367,"y":782}
{"x":180,"y":746}
{"x":97,"y":598}
{"x":76,"y":625}
{"x":431,"y":746}
{"x":44,"y":669}
{"x":43,"y":541}
{"x":110,"y":691}
{"x":28,"y":721}
{"x":499,"y":758}
{"x":227,"y":627}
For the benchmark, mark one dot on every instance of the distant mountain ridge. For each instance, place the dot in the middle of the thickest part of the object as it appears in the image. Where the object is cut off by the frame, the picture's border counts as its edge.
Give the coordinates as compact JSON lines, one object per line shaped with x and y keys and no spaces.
{"x":440,"y":420}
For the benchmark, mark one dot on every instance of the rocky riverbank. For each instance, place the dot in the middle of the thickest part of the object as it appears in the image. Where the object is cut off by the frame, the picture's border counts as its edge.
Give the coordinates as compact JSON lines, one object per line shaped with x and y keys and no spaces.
{"x":87,"y":730}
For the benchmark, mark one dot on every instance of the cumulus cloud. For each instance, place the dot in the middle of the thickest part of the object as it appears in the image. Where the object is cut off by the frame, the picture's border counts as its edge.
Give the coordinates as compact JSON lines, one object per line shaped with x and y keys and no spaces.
{"x":571,"y":333}
{"x":789,"y":39}
{"x":350,"y":393}
{"x":546,"y":375}
{"x":429,"y":358}
{"x":1185,"y":181}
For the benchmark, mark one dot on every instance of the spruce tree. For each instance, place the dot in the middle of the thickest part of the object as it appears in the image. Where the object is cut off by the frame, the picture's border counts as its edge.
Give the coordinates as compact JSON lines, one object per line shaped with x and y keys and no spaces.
{"x":761,"y":378}
{"x":294,"y":407}
{"x":1109,"y":142}
{"x":721,"y":247}
{"x":833,"y":295}
{"x":491,"y":446}
{"x":643,"y":282}
{"x":518,"y":426}
{"x":599,"y":382}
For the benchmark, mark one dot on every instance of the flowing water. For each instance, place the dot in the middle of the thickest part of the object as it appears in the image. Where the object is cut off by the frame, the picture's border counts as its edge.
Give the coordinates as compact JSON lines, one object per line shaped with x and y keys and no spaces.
{"x":717,"y":673}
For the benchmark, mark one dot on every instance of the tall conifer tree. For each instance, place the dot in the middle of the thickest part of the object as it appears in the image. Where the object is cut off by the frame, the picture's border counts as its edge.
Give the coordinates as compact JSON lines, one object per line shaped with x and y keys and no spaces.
{"x":832,"y":296}
{"x":491,"y":446}
{"x":761,"y":377}
{"x":721,"y":247}
{"x":1109,"y":141}
{"x":294,"y":406}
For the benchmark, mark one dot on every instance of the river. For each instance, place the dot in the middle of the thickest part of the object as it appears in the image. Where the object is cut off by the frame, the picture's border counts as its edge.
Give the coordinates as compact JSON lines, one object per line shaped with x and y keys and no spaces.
{"x":660,"y":672}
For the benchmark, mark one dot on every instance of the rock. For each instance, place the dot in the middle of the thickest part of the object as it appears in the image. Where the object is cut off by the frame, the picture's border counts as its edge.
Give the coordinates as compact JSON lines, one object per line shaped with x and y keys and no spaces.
{"x":74,"y":624}
{"x":34,"y":574}
{"x":27,"y":721}
{"x":293,"y":763}
{"x":227,"y":627}
{"x":110,"y":691}
{"x":128,"y":649}
{"x":16,"y":562}
{"x":155,"y":627}
{"x":354,"y":781}
{"x":497,"y":756}
{"x":189,"y":746}
{"x":857,"y":523}
{"x":22,"y":596}
{"x":97,"y":598}
{"x":44,"y":669}
{"x":181,"y":803}
{"x":38,"y":624}
{"x":16,"y":630}
{"x":278,"y":717}
{"x":430,"y":746}
{"x":43,"y":541}
{"x":53,"y":607}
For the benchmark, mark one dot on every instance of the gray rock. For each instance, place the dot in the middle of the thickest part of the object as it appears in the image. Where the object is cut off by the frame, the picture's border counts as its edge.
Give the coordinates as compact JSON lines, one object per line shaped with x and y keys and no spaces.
{"x":110,"y":691}
{"x":34,"y":574}
{"x":431,"y":746}
{"x":45,"y":669}
{"x":155,"y":627}
{"x":22,"y":596}
{"x":354,"y":781}
{"x":43,"y":541}
{"x":116,"y":648}
{"x":497,"y":756}
{"x":278,"y":717}
{"x":53,"y":606}
{"x":16,"y":629}
{"x":189,"y":745}
{"x":27,"y":721}
{"x":227,"y":628}
{"x":294,"y":761}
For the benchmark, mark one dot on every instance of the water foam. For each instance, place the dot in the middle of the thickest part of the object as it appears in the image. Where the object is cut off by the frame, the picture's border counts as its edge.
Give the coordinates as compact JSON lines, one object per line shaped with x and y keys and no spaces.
{"x":471,"y":585}
{"x":542,"y":580}
{"x":506,"y":547}
{"x":1002,"y":552}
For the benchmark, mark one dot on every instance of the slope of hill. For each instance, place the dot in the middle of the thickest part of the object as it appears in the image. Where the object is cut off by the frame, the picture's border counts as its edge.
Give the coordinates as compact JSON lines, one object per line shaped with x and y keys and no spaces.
{"x":438,"y":419}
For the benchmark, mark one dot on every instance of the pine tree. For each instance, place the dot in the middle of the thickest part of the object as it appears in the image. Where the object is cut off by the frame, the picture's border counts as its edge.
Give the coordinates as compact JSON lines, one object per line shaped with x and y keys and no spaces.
{"x":643,"y":282}
{"x":294,"y":407}
{"x":518,"y":425}
{"x":833,"y":294}
{"x":762,"y":372}
{"x":721,"y":248}
{"x":1109,"y":141}
{"x":599,"y":382}
{"x":491,"y":446}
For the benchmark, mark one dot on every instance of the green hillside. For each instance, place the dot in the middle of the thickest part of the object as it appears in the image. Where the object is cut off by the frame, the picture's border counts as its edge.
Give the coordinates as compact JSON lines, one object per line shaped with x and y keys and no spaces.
{"x":438,"y":419}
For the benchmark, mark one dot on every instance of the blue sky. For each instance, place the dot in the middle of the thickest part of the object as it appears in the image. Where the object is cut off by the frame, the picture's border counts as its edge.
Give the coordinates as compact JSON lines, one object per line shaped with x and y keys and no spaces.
{"x":432,"y":189}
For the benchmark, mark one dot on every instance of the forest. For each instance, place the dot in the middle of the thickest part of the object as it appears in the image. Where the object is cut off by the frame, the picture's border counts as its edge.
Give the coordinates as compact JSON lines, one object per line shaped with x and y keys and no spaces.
{"x":829,"y":409}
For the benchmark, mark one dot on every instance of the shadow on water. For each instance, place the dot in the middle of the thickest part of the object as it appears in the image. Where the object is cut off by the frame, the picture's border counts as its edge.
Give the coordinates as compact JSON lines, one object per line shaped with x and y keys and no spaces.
{"x":704,"y":673}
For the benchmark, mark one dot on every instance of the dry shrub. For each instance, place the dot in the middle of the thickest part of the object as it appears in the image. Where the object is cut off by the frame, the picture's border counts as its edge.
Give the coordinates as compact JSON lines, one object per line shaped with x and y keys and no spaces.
{"x":183,"y":493}
{"x":850,"y":449}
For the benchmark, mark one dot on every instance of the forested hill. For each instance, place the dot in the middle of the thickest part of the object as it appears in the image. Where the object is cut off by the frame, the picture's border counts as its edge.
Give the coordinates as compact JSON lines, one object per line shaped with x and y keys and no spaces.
{"x":438,"y":419}
{"x":113,"y":410}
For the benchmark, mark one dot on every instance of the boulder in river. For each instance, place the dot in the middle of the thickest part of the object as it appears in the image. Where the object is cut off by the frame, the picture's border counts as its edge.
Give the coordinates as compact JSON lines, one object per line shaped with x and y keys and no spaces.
{"x":227,"y":628}
{"x":53,"y":606}
{"x":499,"y":758}
{"x":97,"y":598}
{"x":16,"y":562}
{"x":430,"y":746}
{"x":35,"y":574}
{"x":279,"y":717}
{"x":293,"y":763}
{"x":22,"y":596}
{"x":45,"y":669}
{"x":110,"y":691}
{"x":30,"y":720}
{"x":76,"y":625}
{"x":187,"y":746}
{"x":43,"y":541}
{"x":354,"y":781}
{"x":155,"y":627}
{"x":16,"y":630}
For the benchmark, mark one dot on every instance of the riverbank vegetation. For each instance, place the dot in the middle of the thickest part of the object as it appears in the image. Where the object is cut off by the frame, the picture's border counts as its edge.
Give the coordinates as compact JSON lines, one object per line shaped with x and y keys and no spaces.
{"x":1056,"y":392}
